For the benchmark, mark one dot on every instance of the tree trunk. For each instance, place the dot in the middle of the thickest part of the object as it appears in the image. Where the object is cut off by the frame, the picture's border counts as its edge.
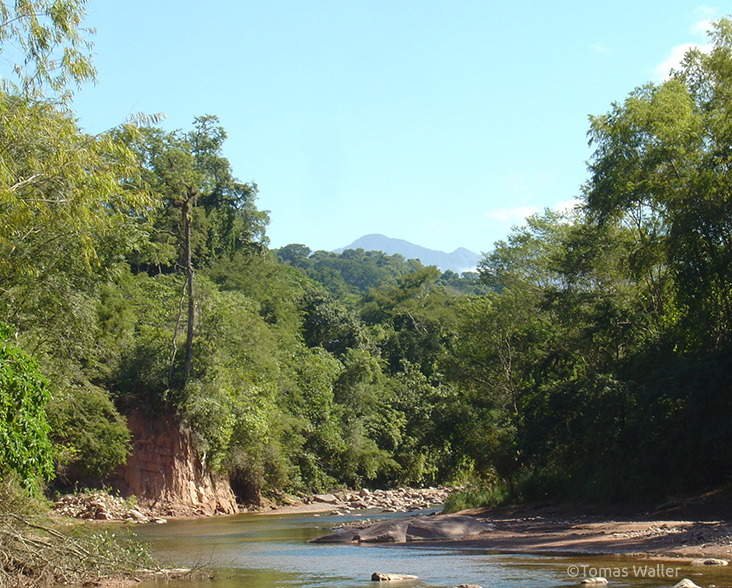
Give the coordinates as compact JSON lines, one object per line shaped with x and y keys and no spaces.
{"x":186,"y":209}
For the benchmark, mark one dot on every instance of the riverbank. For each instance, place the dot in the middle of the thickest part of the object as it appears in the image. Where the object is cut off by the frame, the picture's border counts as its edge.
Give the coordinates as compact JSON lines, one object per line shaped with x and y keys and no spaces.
{"x":686,"y":531}
{"x":679,"y":530}
{"x":102,"y":506}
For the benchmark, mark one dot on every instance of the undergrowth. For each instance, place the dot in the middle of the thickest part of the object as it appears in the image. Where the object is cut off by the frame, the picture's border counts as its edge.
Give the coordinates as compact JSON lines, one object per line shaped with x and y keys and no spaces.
{"x":37,"y":550}
{"x":474,"y":498}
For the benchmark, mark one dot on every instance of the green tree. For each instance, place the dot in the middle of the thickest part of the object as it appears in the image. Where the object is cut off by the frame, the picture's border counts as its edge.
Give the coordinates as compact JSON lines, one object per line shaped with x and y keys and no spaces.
{"x":25,"y":449}
{"x":91,"y":437}
{"x":46,"y":45}
{"x":187,"y":169}
{"x":660,"y":166}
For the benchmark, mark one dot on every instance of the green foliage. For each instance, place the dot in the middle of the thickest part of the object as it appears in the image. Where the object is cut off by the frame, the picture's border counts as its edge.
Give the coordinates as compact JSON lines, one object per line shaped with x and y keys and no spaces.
{"x":660,"y":165}
{"x":604,"y":347}
{"x":181,"y":167}
{"x":59,"y":192}
{"x":589,"y":344}
{"x":91,"y":433}
{"x":348,"y":275}
{"x":278,"y":289}
{"x":329,"y":324}
{"x":52,"y":52}
{"x":475,"y":498}
{"x":25,"y":449}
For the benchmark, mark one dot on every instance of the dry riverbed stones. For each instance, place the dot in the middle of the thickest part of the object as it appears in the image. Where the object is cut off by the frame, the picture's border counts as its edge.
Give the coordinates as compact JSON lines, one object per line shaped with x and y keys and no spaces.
{"x":99,"y":506}
{"x":399,"y":500}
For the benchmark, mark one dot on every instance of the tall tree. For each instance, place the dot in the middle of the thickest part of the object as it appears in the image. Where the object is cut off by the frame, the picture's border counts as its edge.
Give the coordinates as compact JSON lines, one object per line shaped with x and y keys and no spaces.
{"x":189,"y":172}
{"x":662,"y":166}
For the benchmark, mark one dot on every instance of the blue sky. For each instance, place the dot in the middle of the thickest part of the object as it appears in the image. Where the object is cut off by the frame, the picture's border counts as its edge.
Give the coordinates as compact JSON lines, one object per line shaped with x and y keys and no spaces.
{"x":440,"y":122}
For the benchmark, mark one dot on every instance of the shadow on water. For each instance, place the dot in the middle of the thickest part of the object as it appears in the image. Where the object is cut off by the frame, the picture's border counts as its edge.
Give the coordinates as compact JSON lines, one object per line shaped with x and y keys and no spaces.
{"x":272,"y":552}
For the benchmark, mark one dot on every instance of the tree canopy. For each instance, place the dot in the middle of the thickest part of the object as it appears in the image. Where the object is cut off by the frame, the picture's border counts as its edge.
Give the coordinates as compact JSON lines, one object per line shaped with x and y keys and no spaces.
{"x":588,"y":345}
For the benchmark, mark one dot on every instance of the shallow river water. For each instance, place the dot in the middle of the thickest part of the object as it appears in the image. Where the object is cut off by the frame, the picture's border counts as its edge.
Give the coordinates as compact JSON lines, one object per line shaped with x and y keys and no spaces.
{"x":271,"y":551}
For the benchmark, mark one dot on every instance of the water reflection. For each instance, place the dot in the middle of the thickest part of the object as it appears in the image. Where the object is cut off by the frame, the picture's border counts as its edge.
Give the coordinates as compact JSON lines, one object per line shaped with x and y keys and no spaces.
{"x":272,"y":552}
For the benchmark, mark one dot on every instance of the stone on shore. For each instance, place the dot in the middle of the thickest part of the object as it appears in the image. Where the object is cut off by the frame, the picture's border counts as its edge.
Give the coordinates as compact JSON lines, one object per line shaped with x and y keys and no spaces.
{"x":327,"y":498}
{"x":599,"y":580}
{"x":686,"y":583}
{"x":709,"y":561}
{"x":379,"y":577}
{"x":399,"y":500}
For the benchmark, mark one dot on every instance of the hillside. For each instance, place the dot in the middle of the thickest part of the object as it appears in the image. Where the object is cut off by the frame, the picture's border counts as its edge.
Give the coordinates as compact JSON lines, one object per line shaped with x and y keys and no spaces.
{"x":460,"y":260}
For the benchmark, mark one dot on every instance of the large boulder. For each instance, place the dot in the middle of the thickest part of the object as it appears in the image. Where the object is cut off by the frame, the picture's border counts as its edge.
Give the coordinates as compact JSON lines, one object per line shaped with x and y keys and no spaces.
{"x":402,"y":530}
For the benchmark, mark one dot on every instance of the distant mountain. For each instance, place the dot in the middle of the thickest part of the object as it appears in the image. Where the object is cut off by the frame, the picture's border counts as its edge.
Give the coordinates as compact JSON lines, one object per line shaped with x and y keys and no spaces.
{"x":460,"y":260}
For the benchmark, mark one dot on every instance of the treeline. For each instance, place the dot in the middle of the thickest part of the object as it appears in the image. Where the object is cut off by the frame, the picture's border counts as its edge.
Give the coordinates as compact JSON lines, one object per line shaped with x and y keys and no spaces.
{"x":587,"y":357}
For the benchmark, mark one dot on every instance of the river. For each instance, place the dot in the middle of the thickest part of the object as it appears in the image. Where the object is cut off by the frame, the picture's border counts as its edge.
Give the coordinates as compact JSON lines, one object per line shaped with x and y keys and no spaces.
{"x":271,"y":551}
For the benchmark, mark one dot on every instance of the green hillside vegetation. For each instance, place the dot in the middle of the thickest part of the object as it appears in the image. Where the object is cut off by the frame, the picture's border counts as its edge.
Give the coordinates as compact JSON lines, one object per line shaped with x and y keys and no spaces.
{"x":588,"y":357}
{"x":351,"y":274}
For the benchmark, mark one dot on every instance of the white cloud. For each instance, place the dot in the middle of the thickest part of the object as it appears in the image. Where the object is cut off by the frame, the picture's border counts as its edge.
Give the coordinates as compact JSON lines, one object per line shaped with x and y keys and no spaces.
{"x":699,"y":28}
{"x":600,"y":48}
{"x":702,"y":27}
{"x":706,"y":16}
{"x":566,"y":205}
{"x":673,"y":61}
{"x":511,"y":215}
{"x":518,"y":214}
{"x":706,"y":13}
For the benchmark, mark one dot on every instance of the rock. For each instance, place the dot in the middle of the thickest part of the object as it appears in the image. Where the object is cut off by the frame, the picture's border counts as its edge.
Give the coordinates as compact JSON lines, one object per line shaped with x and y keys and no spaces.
{"x":597,"y":581}
{"x":342,"y":536}
{"x":363,"y":493}
{"x":467,"y":586}
{"x":137,"y":516}
{"x":709,"y":561}
{"x":327,"y":498}
{"x":686,"y":583}
{"x":402,"y":530}
{"x":379,"y":577}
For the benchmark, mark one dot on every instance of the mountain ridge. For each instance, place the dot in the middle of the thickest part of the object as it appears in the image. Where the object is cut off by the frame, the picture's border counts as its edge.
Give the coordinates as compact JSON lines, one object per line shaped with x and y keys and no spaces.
{"x":459,"y":261}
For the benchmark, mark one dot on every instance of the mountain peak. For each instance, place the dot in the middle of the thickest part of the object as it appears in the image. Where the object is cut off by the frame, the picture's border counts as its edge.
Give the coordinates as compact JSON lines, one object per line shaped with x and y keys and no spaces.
{"x":460,"y":260}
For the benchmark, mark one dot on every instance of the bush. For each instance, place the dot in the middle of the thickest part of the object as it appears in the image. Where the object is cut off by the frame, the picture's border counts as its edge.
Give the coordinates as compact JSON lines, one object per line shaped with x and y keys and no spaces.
{"x":89,"y":430}
{"x":475,"y":497}
{"x":25,"y":449}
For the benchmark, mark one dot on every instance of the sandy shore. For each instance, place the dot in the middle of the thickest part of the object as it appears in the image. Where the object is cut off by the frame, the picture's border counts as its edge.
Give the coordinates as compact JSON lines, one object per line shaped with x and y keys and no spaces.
{"x":683,"y":532}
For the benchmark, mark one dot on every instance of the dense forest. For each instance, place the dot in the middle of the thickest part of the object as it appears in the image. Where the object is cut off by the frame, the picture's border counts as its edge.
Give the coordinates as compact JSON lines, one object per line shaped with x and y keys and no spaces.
{"x":587,"y":358}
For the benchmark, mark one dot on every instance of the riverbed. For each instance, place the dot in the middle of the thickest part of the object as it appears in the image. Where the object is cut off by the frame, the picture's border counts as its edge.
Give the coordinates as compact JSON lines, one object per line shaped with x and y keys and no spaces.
{"x":271,"y":551}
